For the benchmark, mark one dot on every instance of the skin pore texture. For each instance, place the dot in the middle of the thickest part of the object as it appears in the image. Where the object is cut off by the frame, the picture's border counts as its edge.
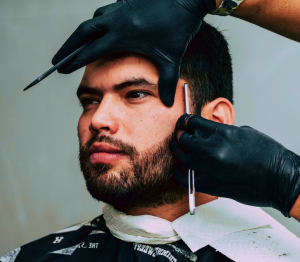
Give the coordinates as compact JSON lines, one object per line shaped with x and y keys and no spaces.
{"x":122,"y":109}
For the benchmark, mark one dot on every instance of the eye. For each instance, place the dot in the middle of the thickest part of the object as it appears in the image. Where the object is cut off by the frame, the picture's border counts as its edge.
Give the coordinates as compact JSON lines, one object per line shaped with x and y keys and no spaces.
{"x":83,"y":102}
{"x":136,"y":95}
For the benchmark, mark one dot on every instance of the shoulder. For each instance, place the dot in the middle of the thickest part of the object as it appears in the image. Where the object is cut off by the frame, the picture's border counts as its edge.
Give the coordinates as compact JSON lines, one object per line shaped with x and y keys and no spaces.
{"x":68,"y":237}
{"x":271,"y":242}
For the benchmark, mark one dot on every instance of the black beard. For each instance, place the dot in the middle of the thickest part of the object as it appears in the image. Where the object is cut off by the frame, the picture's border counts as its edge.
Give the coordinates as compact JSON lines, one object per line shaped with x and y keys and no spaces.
{"x":146,"y":181}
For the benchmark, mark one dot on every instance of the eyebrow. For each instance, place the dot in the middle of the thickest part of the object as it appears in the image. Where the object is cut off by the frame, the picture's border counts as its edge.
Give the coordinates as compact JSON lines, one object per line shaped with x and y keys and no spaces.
{"x":85,"y":89}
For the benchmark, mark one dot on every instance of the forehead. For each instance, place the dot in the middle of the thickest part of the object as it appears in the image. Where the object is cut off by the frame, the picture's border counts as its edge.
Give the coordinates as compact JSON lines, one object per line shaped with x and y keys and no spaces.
{"x":114,"y":70}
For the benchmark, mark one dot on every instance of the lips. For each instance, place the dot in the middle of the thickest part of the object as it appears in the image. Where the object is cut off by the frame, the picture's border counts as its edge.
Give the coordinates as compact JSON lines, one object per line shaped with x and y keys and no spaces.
{"x":103,"y":153}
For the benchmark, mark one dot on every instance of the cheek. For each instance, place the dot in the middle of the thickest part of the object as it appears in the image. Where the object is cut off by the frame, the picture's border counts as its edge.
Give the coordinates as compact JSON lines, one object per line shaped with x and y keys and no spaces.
{"x":152,"y":127}
{"x":83,"y":130}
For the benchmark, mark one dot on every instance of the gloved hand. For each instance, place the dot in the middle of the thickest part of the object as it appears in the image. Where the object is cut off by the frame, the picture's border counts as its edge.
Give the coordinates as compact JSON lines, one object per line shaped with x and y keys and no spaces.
{"x":158,"y":29}
{"x":240,"y":163}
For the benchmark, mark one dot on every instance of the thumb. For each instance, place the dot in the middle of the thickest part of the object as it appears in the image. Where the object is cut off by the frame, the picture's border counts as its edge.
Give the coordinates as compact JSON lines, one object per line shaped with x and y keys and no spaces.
{"x":167,"y":83}
{"x":107,"y":8}
{"x":204,"y":127}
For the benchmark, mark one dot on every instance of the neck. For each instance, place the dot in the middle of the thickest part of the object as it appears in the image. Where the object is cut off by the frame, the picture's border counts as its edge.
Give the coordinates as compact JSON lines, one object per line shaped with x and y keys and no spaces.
{"x":174,"y":211}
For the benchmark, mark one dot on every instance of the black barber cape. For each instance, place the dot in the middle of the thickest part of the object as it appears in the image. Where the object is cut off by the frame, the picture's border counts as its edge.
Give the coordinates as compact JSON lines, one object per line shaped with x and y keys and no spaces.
{"x":92,"y":241}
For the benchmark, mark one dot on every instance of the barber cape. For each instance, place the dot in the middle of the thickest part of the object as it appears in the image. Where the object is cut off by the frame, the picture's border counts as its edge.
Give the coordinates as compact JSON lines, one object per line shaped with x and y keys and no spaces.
{"x":221,"y":230}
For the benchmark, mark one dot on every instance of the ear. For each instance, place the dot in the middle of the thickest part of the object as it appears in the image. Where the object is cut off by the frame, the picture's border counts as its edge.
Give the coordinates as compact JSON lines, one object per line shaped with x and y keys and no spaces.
{"x":220,"y":110}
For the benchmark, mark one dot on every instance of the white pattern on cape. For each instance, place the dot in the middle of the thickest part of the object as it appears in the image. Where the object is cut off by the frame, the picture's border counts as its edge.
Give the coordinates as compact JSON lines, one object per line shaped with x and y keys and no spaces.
{"x":10,"y":256}
{"x":66,"y":251}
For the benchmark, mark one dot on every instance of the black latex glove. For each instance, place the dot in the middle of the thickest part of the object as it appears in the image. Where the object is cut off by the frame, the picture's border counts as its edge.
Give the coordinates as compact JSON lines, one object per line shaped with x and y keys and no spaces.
{"x":240,"y":163}
{"x":160,"y":29}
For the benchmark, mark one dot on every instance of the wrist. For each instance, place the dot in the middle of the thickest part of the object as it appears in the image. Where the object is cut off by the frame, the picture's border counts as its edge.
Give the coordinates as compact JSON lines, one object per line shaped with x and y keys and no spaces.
{"x":290,"y":182}
{"x":218,"y":3}
{"x":295,"y":211}
{"x":226,"y":7}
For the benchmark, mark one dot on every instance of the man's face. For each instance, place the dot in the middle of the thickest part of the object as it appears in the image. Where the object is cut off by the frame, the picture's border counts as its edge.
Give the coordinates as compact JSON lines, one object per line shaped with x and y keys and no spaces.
{"x":124,"y":133}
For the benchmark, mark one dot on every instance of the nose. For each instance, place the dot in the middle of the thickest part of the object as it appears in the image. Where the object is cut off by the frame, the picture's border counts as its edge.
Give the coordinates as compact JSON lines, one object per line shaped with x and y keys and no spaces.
{"x":105,"y":119}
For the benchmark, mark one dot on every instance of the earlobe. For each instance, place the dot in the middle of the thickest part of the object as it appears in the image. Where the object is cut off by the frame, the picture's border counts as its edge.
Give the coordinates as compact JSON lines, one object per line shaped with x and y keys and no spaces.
{"x":220,"y":110}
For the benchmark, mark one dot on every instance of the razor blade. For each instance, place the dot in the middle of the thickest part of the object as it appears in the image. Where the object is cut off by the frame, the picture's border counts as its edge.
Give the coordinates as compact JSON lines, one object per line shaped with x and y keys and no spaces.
{"x":191,"y":174}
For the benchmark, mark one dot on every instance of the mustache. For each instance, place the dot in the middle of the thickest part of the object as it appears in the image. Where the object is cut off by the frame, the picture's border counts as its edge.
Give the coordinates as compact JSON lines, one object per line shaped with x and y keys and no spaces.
{"x":127,"y":148}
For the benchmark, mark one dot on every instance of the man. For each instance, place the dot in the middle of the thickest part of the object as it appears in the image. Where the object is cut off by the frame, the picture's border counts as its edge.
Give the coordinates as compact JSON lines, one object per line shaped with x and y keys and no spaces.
{"x":235,"y":162}
{"x":124,"y":134}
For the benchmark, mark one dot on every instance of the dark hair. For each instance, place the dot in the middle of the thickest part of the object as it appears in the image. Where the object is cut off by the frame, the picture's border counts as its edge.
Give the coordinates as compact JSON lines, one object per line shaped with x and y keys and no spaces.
{"x":207,"y":68}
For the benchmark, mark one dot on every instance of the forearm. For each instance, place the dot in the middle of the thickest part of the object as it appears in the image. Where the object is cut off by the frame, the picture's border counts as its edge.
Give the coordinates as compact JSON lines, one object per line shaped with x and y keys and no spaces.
{"x":279,"y":16}
{"x":295,"y":211}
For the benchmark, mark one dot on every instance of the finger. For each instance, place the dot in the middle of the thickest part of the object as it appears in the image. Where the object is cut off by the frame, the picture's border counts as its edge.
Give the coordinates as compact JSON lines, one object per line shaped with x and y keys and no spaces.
{"x":179,"y":170}
{"x":204,"y":127}
{"x":173,"y":145}
{"x":105,"y":45}
{"x":181,"y":176}
{"x":108,"y":8}
{"x":180,"y":156}
{"x":186,"y":158}
{"x":178,"y":134}
{"x":188,"y":142}
{"x":182,"y":121}
{"x":86,"y":31}
{"x":167,"y":83}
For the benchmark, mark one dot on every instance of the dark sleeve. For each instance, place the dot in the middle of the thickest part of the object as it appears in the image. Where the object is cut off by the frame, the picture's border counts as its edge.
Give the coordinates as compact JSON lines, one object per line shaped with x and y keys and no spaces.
{"x":37,"y":249}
